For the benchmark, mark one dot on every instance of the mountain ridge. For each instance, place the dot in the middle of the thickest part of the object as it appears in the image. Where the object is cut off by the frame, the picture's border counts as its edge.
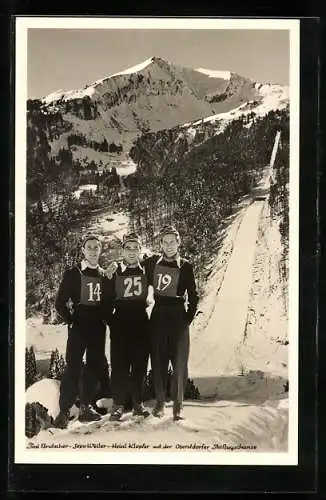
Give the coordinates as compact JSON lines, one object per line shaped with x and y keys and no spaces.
{"x":151,"y":96}
{"x":89,"y":89}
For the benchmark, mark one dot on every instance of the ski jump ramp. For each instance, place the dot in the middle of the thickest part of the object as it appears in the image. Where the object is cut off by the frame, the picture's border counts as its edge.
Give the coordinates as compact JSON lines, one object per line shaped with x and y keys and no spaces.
{"x":214,"y":352}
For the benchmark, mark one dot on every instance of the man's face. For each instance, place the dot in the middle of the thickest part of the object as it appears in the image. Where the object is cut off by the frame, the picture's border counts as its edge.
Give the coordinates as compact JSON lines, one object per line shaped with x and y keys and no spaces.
{"x":131,"y":252}
{"x":92,"y":251}
{"x":170,"y":245}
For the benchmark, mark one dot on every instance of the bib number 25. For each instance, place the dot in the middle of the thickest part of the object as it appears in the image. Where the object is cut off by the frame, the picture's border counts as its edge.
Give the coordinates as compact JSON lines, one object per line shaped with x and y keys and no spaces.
{"x":164,"y":281}
{"x":133,"y":286}
{"x":94,"y":292}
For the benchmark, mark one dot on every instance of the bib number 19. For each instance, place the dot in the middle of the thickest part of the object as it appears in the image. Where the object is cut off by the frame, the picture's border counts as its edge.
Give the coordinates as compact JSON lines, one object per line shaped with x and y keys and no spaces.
{"x":94,"y":291}
{"x":164,"y":281}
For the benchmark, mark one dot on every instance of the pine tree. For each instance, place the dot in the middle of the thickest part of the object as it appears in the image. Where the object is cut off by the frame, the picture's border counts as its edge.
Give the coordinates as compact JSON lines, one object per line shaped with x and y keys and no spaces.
{"x":27,"y":368}
{"x":105,"y":146}
{"x":54,"y":364}
{"x":30,"y":420}
{"x":33,"y":362}
{"x":30,"y":367}
{"x":191,"y":391}
{"x":46,"y":310}
{"x":61,"y":367}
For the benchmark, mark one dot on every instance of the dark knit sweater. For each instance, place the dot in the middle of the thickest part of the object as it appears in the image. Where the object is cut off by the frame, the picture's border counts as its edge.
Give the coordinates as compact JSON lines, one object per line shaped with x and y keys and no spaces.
{"x":186,"y":283}
{"x":133,"y":292}
{"x":70,"y":291}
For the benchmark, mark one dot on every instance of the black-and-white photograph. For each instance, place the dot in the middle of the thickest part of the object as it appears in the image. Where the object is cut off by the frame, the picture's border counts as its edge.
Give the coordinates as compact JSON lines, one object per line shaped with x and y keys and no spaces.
{"x":156,"y":279}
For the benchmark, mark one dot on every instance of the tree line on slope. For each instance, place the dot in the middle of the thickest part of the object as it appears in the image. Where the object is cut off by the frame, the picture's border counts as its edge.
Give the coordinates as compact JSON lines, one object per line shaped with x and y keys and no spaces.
{"x":279,"y":201}
{"x":197,"y":195}
{"x":47,"y":170}
{"x":197,"y":192}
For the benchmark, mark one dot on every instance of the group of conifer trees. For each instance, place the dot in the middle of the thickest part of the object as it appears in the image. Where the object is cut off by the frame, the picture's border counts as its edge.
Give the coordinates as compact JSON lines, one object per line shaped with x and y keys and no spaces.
{"x":58,"y":364}
{"x":197,"y":191}
{"x":32,"y":374}
{"x":279,"y":200}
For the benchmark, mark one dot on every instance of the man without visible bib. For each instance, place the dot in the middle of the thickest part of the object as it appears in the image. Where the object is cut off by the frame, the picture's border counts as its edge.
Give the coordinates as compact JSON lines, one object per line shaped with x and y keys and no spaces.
{"x":83,"y":302}
{"x":129,"y":330}
{"x":172,"y":278}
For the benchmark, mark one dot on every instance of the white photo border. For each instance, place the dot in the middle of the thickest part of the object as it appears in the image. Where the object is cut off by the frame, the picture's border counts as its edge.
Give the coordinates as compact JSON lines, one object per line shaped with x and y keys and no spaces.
{"x":53,"y":456}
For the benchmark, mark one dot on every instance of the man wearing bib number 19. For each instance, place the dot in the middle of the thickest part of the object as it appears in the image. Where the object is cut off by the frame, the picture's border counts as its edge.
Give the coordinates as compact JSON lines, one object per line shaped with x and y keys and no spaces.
{"x":83,"y":302}
{"x":172,"y":278}
{"x":129,"y":329}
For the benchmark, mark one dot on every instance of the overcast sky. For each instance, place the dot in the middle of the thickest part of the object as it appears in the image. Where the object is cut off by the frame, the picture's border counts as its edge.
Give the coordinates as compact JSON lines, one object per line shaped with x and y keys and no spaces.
{"x":69,"y":59}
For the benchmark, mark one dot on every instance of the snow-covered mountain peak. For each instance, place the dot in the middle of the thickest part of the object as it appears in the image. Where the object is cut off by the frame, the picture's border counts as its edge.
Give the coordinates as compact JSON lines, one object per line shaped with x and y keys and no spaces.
{"x":53,"y":96}
{"x":134,"y":69}
{"x":66,"y":95}
{"x":90,"y":89}
{"x":157,"y":94}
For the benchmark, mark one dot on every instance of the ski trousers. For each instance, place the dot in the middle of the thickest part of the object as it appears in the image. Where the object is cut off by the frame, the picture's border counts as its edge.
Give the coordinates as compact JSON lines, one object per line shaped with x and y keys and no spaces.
{"x":89,"y":338}
{"x":169,"y":343}
{"x":129,"y":353}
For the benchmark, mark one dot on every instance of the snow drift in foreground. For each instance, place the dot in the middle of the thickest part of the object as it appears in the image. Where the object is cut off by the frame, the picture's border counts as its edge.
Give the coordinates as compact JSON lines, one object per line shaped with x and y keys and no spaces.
{"x":236,"y":425}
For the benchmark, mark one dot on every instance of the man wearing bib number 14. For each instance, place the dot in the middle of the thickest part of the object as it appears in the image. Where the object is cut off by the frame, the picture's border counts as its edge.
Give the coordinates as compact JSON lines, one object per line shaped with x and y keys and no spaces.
{"x":83,"y":302}
{"x":129,"y":329}
{"x":172,"y":277}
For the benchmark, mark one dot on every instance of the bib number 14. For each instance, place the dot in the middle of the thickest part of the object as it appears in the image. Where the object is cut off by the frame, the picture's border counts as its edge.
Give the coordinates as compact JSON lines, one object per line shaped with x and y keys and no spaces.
{"x":164,"y":281}
{"x":94,"y":291}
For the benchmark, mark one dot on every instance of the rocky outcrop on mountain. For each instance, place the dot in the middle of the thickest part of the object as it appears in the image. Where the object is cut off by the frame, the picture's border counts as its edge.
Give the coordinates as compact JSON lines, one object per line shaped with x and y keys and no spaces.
{"x":152,"y":96}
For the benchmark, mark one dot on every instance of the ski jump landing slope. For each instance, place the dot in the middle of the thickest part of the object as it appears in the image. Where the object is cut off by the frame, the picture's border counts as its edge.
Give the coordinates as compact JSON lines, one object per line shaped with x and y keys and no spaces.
{"x":214,"y":352}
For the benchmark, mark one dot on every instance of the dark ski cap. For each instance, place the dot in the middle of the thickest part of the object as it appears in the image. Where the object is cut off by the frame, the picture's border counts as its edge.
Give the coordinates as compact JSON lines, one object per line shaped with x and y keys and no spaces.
{"x":131,"y":237}
{"x":167,"y":229}
{"x":90,"y":236}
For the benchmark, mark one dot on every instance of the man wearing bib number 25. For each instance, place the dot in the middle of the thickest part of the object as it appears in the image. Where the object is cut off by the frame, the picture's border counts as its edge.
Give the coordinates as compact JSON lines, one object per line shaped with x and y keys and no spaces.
{"x":172,"y":277}
{"x":84,"y":304}
{"x":129,"y":329}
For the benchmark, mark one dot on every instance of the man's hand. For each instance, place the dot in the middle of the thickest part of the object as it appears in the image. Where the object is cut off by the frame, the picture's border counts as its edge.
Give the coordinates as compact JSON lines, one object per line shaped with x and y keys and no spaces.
{"x":110,"y":270}
{"x":150,"y":301}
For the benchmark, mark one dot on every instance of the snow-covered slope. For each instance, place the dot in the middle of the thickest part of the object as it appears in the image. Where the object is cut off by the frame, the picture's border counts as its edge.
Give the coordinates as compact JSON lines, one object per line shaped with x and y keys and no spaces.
{"x":66,"y":95}
{"x":134,"y":69}
{"x":226,"y":75}
{"x":271,"y":97}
